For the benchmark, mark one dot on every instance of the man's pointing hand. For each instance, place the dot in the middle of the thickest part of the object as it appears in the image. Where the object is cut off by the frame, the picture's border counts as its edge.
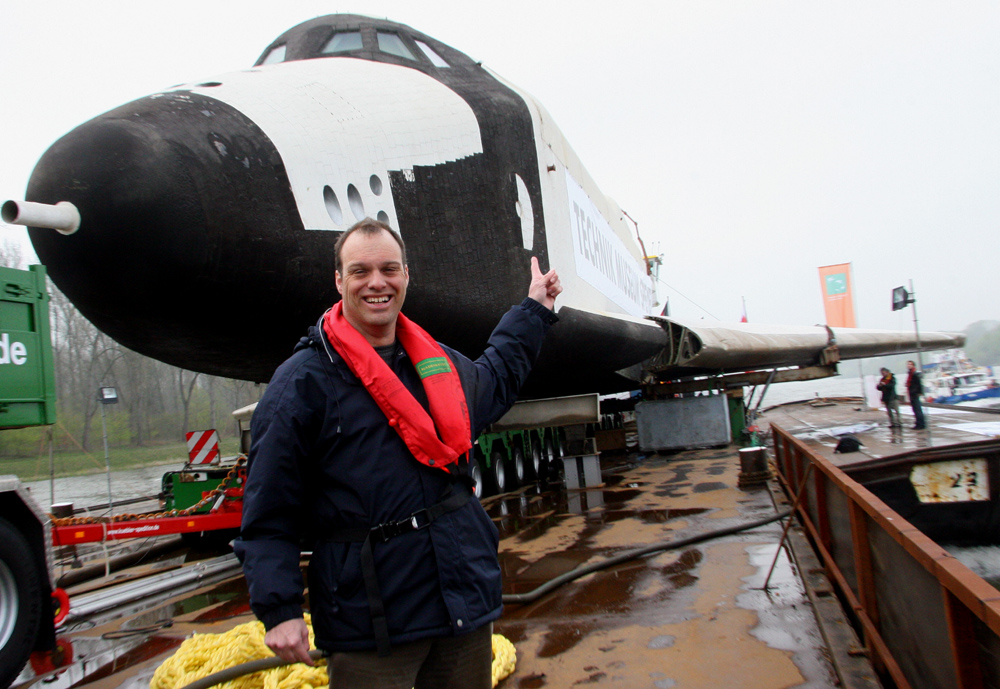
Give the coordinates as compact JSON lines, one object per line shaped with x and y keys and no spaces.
{"x":544,"y":288}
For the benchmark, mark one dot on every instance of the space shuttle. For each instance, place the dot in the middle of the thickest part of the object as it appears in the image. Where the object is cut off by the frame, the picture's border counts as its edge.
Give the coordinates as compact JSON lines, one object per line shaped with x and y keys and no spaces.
{"x":203,"y":218}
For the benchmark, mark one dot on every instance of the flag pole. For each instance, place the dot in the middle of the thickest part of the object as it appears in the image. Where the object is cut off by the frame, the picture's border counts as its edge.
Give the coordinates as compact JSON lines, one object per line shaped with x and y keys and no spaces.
{"x":916,"y":329}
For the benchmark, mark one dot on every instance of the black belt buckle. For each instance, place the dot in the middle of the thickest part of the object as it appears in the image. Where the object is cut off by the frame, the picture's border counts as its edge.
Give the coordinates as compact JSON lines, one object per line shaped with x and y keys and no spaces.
{"x":385,"y":532}
{"x":414,"y":520}
{"x":389,"y":530}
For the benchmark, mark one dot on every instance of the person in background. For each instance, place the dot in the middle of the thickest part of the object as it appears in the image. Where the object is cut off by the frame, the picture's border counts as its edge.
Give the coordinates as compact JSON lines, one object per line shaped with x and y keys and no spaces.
{"x":887,"y":386}
{"x":915,"y":388}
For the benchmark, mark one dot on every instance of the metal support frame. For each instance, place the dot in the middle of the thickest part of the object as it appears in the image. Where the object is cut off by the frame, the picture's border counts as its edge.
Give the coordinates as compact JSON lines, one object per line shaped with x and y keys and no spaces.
{"x":724,"y":381}
{"x":880,"y":655}
{"x":144,"y":528}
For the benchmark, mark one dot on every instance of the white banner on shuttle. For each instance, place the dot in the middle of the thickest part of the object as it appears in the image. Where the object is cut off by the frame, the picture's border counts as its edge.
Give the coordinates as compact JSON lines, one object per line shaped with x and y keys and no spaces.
{"x":602,"y":258}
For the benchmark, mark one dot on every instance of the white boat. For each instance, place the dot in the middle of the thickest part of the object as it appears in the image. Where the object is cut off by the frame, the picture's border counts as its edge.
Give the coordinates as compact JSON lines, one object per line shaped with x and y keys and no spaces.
{"x":954,"y":379}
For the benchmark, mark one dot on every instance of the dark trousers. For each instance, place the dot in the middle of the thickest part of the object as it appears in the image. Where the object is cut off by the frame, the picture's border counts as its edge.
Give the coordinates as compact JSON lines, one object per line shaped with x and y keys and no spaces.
{"x":892,"y":408}
{"x":453,"y":662}
{"x":918,"y":412}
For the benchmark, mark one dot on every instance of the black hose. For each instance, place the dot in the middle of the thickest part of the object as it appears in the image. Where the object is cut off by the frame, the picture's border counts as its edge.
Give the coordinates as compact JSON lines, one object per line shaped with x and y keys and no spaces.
{"x":248,"y":668}
{"x":274,"y":661}
{"x":532,"y":596}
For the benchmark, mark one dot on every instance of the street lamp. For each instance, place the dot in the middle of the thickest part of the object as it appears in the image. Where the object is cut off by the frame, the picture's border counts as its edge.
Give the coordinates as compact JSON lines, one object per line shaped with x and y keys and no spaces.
{"x":901,"y":298}
{"x":106,"y":396}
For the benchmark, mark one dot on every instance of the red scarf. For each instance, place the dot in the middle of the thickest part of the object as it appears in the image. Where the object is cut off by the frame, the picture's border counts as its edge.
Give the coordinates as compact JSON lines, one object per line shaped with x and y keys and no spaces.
{"x":449,"y":417}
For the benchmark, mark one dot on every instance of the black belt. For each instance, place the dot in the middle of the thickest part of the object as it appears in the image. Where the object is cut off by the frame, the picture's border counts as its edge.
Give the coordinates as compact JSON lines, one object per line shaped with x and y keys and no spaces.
{"x":417,"y":521}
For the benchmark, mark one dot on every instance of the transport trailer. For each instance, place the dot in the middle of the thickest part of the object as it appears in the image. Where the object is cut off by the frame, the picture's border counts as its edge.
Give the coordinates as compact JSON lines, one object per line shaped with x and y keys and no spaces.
{"x":32,"y":606}
{"x":145,"y":526}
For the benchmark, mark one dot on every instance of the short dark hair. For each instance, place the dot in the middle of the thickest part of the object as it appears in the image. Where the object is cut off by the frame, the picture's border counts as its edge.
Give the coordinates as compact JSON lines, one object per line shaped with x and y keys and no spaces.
{"x":368,"y":226}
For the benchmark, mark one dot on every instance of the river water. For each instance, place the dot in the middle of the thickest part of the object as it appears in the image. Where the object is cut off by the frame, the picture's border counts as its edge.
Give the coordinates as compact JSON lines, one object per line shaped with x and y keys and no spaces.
{"x":836,"y":386}
{"x":92,"y":489}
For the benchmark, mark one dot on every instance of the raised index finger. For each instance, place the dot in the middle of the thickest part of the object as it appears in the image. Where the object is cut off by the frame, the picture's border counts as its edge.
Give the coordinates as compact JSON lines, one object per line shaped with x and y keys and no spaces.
{"x":536,"y":272}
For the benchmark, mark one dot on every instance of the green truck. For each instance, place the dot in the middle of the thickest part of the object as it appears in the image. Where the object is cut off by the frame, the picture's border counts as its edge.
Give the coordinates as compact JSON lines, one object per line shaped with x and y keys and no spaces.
{"x":27,"y":398}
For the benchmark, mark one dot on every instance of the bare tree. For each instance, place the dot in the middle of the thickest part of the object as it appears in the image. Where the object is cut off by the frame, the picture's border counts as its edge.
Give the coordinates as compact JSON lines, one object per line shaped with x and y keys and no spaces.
{"x":11,"y":254}
{"x":212,"y":382}
{"x":185,"y":395}
{"x":155,"y":396}
{"x":84,"y":360}
{"x":139,"y":380}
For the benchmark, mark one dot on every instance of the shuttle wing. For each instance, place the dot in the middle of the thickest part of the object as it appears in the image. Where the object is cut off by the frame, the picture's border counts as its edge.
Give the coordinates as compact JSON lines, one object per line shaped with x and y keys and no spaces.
{"x":663,"y":349}
{"x":743,"y":346}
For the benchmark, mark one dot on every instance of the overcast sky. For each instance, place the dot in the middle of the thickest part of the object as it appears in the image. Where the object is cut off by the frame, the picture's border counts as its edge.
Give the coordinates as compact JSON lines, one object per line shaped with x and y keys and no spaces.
{"x":752,"y":141}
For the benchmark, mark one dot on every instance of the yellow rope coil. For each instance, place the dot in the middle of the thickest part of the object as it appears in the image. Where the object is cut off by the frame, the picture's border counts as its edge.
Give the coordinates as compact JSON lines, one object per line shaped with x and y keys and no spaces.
{"x":504,"y":658}
{"x":204,"y":654}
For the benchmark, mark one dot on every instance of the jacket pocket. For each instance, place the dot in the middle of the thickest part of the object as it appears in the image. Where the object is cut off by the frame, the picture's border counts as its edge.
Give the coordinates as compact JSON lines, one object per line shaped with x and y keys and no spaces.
{"x":334,"y":575}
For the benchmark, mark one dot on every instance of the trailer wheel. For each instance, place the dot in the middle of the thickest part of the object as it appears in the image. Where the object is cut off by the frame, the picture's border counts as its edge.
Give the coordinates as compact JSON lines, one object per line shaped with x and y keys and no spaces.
{"x":550,"y":457}
{"x":497,"y":473}
{"x":20,"y":602}
{"x":476,"y":472}
{"x":518,"y":469}
{"x":535,"y":467}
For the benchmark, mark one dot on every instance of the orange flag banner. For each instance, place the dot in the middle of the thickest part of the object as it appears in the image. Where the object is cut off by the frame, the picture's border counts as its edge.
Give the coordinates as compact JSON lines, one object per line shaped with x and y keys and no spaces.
{"x":838,"y":295}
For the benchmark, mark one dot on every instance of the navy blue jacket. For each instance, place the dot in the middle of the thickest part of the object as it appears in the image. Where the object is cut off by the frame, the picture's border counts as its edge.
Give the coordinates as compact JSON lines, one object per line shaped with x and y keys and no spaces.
{"x":324,"y":457}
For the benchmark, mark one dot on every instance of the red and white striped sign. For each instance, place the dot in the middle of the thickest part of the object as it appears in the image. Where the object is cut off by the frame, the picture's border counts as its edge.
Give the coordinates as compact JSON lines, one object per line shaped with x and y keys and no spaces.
{"x":203,"y":446}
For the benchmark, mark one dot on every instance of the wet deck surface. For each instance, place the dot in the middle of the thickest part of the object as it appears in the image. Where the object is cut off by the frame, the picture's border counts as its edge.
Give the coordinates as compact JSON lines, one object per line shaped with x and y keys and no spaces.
{"x":693,"y":617}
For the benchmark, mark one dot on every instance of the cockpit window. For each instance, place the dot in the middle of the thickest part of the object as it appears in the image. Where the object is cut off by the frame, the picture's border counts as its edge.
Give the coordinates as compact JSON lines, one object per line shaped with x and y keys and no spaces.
{"x":391,"y":43}
{"x":435,"y":59}
{"x":276,"y":55}
{"x":342,"y":42}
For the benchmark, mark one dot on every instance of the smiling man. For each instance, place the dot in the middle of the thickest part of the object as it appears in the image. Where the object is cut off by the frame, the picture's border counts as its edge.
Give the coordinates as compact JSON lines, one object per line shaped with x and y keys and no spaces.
{"x":361,"y":450}
{"x":372,"y":277}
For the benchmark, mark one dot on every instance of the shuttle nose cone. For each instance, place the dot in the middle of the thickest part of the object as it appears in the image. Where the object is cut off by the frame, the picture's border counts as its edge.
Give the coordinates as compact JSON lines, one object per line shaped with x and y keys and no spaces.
{"x":188,"y":228}
{"x":136,"y":201}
